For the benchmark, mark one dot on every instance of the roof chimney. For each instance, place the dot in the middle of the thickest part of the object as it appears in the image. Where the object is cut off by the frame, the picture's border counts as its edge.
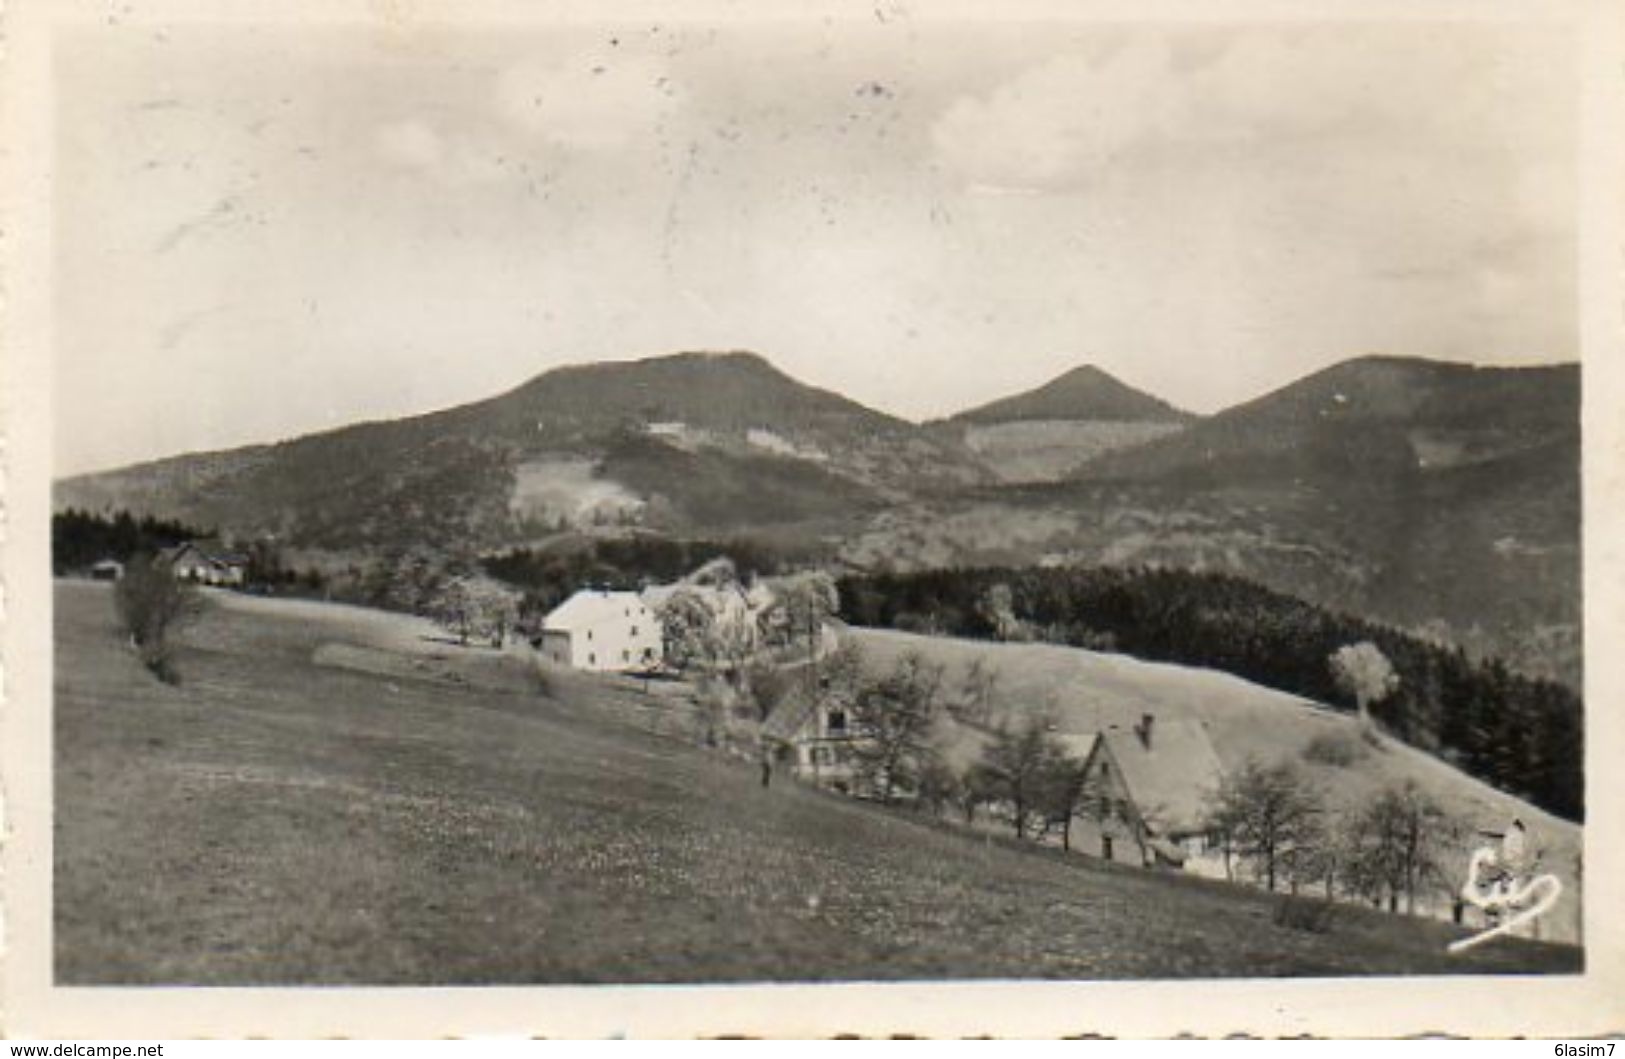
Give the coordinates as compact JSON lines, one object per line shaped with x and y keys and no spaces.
{"x":1143,"y":729}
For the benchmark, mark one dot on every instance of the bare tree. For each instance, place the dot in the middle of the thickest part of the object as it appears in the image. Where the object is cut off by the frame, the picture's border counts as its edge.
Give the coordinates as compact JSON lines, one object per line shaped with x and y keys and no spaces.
{"x":975,"y":788}
{"x":765,"y":686}
{"x":1396,"y":844}
{"x":1019,"y":767}
{"x":475,"y":606}
{"x":978,"y":693}
{"x":1361,"y":670}
{"x":151,"y":603}
{"x":1066,"y":792}
{"x":939,"y":785}
{"x":894,"y":717}
{"x":1267,"y":815}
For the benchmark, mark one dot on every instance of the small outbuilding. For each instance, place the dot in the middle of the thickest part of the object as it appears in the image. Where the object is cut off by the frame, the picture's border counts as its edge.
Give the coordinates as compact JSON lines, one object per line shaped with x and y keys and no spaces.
{"x":107,"y":570}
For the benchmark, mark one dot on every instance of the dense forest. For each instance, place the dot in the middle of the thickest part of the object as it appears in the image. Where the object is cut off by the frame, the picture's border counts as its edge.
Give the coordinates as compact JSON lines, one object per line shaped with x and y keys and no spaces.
{"x":80,"y":539}
{"x":1520,"y":734}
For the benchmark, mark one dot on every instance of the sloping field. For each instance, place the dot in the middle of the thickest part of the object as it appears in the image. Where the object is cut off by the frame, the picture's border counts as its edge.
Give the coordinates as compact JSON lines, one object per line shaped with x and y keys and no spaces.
{"x":1047,"y":450}
{"x":1086,"y":691}
{"x":276,"y":820}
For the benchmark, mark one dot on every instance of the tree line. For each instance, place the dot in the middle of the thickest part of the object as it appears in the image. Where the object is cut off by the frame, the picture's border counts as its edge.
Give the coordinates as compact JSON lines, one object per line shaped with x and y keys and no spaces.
{"x":80,"y":539}
{"x":1521,"y":734}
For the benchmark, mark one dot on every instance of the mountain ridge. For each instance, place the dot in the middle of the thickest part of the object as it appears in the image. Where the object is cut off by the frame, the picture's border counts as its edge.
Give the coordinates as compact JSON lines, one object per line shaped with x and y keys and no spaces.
{"x":1428,"y":494}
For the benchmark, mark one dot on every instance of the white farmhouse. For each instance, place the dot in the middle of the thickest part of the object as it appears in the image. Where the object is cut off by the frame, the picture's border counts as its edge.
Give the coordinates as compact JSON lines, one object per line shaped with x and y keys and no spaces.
{"x":604,"y":632}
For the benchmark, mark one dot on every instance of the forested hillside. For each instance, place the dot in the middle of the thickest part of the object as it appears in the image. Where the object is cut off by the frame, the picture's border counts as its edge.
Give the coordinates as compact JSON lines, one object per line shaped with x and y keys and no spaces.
{"x":1520,"y":734}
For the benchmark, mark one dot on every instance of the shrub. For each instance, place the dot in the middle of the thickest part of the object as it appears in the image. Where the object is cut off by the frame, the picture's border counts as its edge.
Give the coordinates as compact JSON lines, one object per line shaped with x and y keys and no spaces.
{"x":1338,"y":749}
{"x":1313,"y":915}
{"x":151,"y":603}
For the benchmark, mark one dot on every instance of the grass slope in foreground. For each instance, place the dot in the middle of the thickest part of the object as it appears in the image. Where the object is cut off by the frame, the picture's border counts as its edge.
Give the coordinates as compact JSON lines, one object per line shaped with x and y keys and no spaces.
{"x":287,"y":816}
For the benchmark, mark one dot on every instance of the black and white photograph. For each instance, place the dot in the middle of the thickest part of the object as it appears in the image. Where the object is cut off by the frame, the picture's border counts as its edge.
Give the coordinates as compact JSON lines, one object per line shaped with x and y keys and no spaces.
{"x":878,"y":493}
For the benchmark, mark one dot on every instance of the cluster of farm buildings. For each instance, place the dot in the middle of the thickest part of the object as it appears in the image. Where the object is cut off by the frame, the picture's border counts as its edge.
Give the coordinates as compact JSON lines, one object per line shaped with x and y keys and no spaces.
{"x":1152,"y":780}
{"x":1151,"y":784}
{"x":197,"y":562}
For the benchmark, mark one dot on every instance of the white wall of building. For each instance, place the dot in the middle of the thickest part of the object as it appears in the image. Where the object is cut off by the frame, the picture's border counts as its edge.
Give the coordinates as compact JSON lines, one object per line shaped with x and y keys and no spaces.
{"x":603,"y":632}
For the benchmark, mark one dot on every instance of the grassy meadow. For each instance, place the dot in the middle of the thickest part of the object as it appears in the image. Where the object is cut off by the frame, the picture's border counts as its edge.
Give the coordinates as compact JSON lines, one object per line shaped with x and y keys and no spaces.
{"x":335,"y":795}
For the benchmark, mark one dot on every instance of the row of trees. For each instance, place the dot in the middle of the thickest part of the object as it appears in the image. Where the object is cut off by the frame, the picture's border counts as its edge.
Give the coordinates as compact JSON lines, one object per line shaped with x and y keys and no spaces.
{"x":452,"y":590}
{"x":80,"y":539}
{"x":1521,"y":734}
{"x":1270,"y":822}
{"x":1393,"y":847}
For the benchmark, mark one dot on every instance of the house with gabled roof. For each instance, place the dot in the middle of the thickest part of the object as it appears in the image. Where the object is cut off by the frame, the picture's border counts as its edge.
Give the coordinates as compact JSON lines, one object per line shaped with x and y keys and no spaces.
{"x":206,"y":563}
{"x":603,"y":631}
{"x":1149,"y":789}
{"x":811,"y":734}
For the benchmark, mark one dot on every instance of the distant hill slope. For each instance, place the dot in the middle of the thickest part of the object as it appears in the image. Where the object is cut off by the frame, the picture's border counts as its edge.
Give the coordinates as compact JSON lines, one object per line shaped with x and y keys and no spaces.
{"x":1084,"y":393}
{"x":1436,"y":496}
{"x":1048,"y":433}
{"x":693,"y":442}
{"x":1441,"y":497}
{"x":1375,"y":418}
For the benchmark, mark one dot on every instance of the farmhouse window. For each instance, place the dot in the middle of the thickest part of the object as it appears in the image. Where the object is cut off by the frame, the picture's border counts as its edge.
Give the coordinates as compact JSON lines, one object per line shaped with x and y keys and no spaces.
{"x":592,"y":660}
{"x":626,"y":656}
{"x":837,"y":720}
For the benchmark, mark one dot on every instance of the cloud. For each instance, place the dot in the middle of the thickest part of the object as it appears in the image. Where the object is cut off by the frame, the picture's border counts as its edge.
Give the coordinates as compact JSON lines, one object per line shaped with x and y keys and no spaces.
{"x":1064,"y":122}
{"x":589,"y":103}
{"x":1057,"y":122}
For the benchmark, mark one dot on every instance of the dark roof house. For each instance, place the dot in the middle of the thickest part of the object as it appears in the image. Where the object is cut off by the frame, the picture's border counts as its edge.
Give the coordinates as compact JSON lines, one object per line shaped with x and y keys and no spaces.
{"x":205,"y":561}
{"x":1169,"y":770}
{"x":1153,"y":785}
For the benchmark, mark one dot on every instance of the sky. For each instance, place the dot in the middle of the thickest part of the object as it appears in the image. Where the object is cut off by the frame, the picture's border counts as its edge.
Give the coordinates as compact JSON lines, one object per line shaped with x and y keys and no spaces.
{"x":261,"y":232}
